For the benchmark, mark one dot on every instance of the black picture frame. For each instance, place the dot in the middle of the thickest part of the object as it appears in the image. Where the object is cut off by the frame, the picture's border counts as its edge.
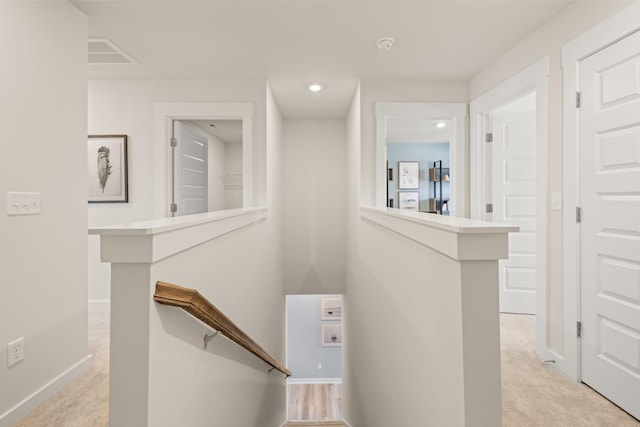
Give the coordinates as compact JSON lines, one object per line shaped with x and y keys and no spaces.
{"x":107,"y":169}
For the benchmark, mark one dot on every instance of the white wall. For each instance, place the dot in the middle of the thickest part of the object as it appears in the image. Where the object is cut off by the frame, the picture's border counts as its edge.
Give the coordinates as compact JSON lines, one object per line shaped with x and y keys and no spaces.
{"x":548,"y":41}
{"x":127,"y":107}
{"x":241,"y":274}
{"x":43,"y":296}
{"x":395,"y":317}
{"x":314,"y":200}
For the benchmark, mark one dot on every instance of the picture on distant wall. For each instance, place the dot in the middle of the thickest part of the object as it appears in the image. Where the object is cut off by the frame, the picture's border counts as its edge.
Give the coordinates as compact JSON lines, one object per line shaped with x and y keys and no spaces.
{"x":107,"y":169}
{"x":408,"y":175}
{"x":409,"y":200}
{"x":331,"y":334}
{"x":332,"y":308}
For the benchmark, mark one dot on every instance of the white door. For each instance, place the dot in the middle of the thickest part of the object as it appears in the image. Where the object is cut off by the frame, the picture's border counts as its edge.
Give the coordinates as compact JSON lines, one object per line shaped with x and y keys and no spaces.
{"x":513,"y":195}
{"x":190,"y":169}
{"x":609,"y":141}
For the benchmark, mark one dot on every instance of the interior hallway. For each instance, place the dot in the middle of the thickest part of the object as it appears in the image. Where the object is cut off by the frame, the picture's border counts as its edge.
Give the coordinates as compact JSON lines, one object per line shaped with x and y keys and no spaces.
{"x":533,"y":394}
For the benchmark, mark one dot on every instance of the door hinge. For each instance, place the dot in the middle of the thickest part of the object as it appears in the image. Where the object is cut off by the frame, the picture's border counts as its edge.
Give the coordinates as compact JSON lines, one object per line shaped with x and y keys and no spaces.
{"x":174,"y":208}
{"x":577,"y":99}
{"x":488,"y":208}
{"x":579,"y":329}
{"x":174,"y":142}
{"x":489,"y":137}
{"x":578,"y":215}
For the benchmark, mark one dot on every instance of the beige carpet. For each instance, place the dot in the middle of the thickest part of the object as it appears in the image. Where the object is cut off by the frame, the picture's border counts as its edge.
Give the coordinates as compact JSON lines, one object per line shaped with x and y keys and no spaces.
{"x":533,"y":394}
{"x":85,"y":402}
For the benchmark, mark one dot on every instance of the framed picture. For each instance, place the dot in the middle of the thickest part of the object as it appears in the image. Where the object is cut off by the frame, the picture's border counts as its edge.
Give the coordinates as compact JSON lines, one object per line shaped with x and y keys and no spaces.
{"x":408,"y":175}
{"x":332,"y":308}
{"x":409,"y":200}
{"x":107,"y":169}
{"x":331,"y":334}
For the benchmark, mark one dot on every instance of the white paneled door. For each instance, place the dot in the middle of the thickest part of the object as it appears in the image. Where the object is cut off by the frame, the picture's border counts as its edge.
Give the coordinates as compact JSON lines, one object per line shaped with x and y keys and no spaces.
{"x":609,"y":143}
{"x":190,"y":169}
{"x":513,"y":159}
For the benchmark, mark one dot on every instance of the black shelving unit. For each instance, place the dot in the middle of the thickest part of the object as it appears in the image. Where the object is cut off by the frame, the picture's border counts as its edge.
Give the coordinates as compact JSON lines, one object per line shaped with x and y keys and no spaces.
{"x":436,"y":174}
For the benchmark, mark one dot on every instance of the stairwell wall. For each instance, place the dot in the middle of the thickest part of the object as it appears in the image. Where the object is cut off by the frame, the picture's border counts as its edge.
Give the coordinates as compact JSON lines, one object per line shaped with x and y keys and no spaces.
{"x":398,"y":294}
{"x":314,"y":201}
{"x":161,"y":374}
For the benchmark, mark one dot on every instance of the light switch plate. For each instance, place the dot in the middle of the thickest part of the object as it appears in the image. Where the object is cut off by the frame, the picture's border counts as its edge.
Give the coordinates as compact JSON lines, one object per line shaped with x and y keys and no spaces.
{"x":23,"y":203}
{"x":556,"y":201}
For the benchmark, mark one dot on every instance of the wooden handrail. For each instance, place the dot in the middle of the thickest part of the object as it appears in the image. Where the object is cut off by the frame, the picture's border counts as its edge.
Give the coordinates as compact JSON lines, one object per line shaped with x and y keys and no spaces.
{"x":198,"y":306}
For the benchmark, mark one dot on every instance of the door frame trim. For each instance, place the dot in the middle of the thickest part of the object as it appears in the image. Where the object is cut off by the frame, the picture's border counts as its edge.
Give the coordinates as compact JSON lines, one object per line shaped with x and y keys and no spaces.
{"x":166,"y":112}
{"x":534,"y":78}
{"x":457,"y":113}
{"x":613,"y":29}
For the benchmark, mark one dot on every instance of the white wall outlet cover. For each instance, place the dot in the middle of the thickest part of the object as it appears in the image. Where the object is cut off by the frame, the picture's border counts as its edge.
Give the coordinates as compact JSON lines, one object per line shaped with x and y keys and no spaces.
{"x":15,"y":352}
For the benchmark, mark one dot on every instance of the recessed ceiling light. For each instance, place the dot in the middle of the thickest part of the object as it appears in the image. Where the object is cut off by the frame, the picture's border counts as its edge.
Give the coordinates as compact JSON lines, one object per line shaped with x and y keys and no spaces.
{"x":315,"y":87}
{"x":441,"y":124}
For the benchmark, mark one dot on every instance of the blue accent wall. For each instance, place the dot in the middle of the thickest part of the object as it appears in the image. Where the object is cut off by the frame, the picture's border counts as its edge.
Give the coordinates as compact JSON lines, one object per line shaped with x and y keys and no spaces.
{"x":304,"y":340}
{"x":426,"y":154}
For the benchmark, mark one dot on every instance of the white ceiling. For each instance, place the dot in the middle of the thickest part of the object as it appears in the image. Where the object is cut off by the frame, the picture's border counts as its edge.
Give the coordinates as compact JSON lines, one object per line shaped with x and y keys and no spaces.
{"x":417,"y":130}
{"x":226,"y":130}
{"x":291,"y":43}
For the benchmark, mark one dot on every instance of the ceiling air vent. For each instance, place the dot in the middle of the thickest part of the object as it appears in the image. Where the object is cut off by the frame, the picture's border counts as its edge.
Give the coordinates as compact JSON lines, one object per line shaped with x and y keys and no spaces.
{"x":103,"y":51}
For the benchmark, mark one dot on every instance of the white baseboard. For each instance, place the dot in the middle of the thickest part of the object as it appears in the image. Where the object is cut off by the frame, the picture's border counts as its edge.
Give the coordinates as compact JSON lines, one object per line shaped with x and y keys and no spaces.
{"x":41,"y":395}
{"x":99,"y":301}
{"x":314,"y":380}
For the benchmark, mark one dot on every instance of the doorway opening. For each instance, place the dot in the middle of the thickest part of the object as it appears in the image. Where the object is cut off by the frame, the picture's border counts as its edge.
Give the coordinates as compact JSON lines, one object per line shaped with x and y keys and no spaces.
{"x":203,"y":113}
{"x":509,"y":183}
{"x":511,"y":197}
{"x":422,"y":123}
{"x":314,"y":355}
{"x":206,"y":166}
{"x":433,"y":193}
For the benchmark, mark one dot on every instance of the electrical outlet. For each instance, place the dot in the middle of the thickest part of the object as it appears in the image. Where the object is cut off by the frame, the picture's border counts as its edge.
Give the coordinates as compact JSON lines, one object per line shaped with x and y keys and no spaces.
{"x":319,"y":365}
{"x":15,"y":351}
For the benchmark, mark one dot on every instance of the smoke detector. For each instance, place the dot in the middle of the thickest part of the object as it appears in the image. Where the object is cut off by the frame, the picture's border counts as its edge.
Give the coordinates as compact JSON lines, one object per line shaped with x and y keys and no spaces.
{"x":385,"y":43}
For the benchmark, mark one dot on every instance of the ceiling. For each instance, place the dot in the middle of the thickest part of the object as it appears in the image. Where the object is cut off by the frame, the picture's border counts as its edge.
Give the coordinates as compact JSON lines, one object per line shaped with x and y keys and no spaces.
{"x":226,"y":130}
{"x":417,"y":130}
{"x":292,"y":43}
